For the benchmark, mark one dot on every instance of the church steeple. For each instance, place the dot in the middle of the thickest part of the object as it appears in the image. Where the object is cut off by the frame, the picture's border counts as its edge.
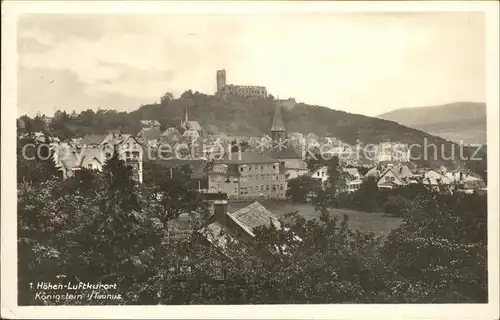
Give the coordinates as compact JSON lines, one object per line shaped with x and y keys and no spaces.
{"x":278,"y":120}
{"x":278,"y":128}
{"x":185,"y":120}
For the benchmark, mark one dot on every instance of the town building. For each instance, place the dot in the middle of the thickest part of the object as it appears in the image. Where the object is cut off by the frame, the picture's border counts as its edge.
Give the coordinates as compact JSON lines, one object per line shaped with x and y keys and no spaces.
{"x":171,"y":136}
{"x":248,"y":175}
{"x":224,"y":89}
{"x":149,"y":136}
{"x":466,"y":182}
{"x":435,"y":180}
{"x":388,"y":151}
{"x":394,"y":176}
{"x":190,"y":129}
{"x":68,"y":160}
{"x":237,"y":225}
{"x":353,"y":179}
{"x":129,"y":150}
{"x":145,"y":124}
{"x":90,"y":140}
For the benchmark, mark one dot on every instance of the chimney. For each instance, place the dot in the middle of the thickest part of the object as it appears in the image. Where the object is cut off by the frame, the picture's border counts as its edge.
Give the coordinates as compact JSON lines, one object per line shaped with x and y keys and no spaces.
{"x":220,"y":211}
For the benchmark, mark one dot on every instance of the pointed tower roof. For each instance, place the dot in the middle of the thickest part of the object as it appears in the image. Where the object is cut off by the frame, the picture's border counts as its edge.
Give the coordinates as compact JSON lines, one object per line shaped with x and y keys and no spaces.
{"x":184,"y":121}
{"x":278,"y":120}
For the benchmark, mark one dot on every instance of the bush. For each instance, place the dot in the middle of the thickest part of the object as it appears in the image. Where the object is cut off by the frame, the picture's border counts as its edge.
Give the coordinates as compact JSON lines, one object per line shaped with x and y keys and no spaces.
{"x":397,"y":205}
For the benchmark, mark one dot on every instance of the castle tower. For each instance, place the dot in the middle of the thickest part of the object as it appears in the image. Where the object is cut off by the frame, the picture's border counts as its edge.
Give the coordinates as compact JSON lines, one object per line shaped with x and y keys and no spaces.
{"x":221,"y":79}
{"x":278,"y":130}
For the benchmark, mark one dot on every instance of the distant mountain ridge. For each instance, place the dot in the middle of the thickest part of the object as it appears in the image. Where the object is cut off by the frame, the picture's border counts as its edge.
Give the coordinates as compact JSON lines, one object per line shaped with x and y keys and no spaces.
{"x":460,"y":121}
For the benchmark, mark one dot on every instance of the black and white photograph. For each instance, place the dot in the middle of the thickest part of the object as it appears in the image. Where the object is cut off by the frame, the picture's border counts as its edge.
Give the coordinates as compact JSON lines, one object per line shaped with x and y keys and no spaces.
{"x":250,"y":155}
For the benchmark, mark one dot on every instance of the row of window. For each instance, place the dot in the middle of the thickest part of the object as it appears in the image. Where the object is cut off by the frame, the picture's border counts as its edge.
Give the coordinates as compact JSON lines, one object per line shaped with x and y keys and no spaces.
{"x":257,"y":167}
{"x":261,"y":188}
{"x":355,"y":187}
{"x":133,"y":154}
{"x":128,"y":154}
{"x":250,"y":190}
{"x":264,"y":177}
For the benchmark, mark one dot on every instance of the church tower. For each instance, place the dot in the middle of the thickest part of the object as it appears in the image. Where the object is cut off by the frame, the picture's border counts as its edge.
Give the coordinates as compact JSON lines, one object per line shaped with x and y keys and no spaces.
{"x":278,"y":131}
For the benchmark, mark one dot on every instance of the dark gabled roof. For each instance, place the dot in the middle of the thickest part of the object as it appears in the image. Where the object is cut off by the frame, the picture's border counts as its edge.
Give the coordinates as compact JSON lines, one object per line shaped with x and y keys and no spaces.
{"x":92,"y":139}
{"x":149,"y":134}
{"x":171,"y":131}
{"x":217,"y":234}
{"x":253,"y":216}
{"x":92,"y":153}
{"x":287,"y":152}
{"x":71,"y":158}
{"x":247,"y":219}
{"x":193,"y":125}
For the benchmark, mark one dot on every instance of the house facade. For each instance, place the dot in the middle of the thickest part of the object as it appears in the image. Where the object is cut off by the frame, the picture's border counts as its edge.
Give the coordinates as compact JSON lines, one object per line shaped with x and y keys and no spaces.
{"x":68,"y":159}
{"x":129,"y":150}
{"x":102,"y":147}
{"x":394,"y":176}
{"x":353,"y":179}
{"x":248,"y":175}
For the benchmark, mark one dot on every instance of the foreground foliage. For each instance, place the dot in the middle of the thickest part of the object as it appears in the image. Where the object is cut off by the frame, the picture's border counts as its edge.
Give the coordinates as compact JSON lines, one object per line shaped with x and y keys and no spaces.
{"x":103,"y":228}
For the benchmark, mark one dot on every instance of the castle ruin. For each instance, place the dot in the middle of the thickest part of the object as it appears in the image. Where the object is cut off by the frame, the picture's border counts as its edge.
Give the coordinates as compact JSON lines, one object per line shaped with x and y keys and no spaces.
{"x":223,"y":89}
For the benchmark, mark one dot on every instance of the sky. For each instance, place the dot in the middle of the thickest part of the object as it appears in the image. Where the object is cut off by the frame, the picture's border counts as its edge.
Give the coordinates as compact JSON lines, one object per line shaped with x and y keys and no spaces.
{"x":368,"y":63}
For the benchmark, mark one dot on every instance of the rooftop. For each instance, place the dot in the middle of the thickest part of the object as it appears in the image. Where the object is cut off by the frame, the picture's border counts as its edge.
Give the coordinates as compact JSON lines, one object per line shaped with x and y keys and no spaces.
{"x":92,"y":139}
{"x":247,"y":158}
{"x":278,"y":120}
{"x":150,"y":122}
{"x":149,"y":134}
{"x":252,"y":216}
{"x":193,"y":125}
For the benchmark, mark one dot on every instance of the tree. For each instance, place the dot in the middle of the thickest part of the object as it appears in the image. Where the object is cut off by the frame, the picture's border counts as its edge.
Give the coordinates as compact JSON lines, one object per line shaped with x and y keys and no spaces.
{"x":333,"y":186}
{"x":439,"y":252}
{"x":397,"y":205}
{"x":438,"y":255}
{"x":187,"y":94}
{"x":166,"y":98}
{"x":174,"y":189}
{"x":301,"y":187}
{"x":241,"y":146}
{"x":35,"y":160}
{"x":109,"y":234}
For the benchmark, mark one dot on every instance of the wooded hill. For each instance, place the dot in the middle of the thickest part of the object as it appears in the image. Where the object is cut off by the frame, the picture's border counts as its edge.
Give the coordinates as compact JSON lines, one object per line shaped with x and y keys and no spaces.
{"x":238,"y":116}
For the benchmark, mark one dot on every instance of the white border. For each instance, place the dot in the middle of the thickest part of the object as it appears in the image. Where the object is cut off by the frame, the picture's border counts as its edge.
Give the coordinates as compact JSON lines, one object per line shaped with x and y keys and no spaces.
{"x":9,"y":308}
